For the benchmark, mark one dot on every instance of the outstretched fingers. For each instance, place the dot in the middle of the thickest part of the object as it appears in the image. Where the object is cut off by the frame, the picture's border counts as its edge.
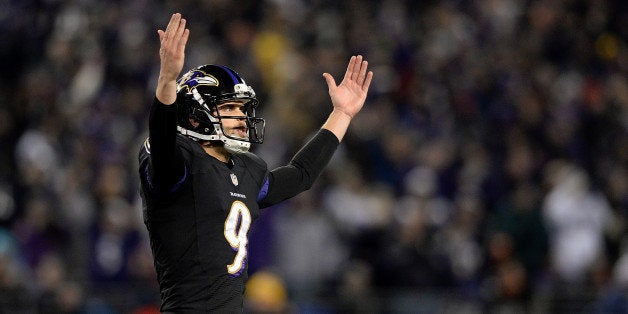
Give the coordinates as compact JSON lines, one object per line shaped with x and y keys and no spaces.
{"x":357,"y":72}
{"x":172,"y":57}
{"x":174,"y":33}
{"x":357,"y":75}
{"x":173,"y":41}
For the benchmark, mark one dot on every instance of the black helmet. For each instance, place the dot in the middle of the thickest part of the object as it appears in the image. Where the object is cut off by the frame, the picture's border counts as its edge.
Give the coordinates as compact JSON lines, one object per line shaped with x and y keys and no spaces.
{"x":200,"y":91}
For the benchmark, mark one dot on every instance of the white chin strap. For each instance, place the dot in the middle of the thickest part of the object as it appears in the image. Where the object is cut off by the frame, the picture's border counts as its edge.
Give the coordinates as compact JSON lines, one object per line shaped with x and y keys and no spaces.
{"x":231,"y":145}
{"x":235,"y":146}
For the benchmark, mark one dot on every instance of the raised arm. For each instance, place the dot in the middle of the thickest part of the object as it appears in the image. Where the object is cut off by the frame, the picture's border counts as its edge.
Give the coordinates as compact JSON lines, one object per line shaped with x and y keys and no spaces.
{"x":305,"y":167}
{"x":348,"y":97}
{"x":166,"y":170}
{"x":172,"y":55}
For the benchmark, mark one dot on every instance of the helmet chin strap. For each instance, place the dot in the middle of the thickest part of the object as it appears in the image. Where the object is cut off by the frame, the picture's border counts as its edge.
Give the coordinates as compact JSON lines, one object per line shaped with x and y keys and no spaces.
{"x":235,"y":146}
{"x":231,"y":145}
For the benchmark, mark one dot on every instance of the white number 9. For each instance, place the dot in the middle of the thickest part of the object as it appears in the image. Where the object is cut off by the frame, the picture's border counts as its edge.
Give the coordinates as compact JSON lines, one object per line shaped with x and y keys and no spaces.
{"x":237,"y":237}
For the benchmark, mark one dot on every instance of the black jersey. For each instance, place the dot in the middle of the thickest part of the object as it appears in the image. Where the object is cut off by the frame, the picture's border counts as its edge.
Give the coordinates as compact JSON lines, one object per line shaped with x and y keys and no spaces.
{"x":198,"y":211}
{"x":199,"y":230}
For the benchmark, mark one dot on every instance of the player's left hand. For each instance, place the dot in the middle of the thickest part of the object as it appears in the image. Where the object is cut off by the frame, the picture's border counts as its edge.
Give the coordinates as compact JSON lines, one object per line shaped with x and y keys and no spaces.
{"x":350,"y":95}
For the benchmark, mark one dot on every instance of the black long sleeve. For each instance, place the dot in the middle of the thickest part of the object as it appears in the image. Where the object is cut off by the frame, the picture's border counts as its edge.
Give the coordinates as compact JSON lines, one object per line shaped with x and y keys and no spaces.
{"x":303,"y":170}
{"x":167,"y":166}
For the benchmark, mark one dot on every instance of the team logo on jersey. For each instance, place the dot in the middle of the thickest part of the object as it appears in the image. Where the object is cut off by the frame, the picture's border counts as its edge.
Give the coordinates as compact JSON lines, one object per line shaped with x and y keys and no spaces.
{"x":196,"y":78}
{"x":234,"y":179}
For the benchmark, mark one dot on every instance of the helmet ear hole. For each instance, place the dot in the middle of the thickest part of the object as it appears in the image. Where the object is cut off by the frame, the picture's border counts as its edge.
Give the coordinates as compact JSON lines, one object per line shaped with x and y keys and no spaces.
{"x":193,"y":122}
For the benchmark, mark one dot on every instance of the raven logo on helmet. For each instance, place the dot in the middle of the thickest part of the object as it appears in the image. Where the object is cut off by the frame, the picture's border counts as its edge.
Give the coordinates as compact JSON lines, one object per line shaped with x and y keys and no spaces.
{"x":196,"y":78}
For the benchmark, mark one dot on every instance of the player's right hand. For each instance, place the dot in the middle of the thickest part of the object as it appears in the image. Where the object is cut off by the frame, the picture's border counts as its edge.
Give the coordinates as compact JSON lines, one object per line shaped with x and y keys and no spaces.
{"x":172,"y":55}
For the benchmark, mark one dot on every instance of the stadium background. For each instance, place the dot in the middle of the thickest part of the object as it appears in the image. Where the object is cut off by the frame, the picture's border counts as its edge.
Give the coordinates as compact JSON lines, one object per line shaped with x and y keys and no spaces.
{"x":486,"y":173}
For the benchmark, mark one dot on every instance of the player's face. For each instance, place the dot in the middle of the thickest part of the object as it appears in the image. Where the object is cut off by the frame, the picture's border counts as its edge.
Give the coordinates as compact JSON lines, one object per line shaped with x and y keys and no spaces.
{"x":233,"y":127}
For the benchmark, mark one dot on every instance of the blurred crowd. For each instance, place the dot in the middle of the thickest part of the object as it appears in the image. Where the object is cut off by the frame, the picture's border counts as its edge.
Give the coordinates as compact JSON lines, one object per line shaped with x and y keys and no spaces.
{"x":488,"y":171}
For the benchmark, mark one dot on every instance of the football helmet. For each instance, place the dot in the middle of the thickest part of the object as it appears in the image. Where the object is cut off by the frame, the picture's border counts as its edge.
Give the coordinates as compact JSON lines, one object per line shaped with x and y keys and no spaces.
{"x":199,"y":93}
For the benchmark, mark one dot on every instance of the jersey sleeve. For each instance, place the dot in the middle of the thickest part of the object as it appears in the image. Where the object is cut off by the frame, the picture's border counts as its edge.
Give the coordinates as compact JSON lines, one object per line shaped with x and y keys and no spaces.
{"x":302,"y":171}
{"x":162,"y":166}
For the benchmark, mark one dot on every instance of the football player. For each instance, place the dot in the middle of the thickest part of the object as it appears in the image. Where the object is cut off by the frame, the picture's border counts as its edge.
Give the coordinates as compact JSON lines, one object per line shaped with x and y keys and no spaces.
{"x":201,"y":188}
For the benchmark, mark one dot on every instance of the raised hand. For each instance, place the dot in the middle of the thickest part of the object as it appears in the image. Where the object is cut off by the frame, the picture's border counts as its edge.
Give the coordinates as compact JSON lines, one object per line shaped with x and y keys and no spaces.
{"x":350,"y":95}
{"x":172,"y":56}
